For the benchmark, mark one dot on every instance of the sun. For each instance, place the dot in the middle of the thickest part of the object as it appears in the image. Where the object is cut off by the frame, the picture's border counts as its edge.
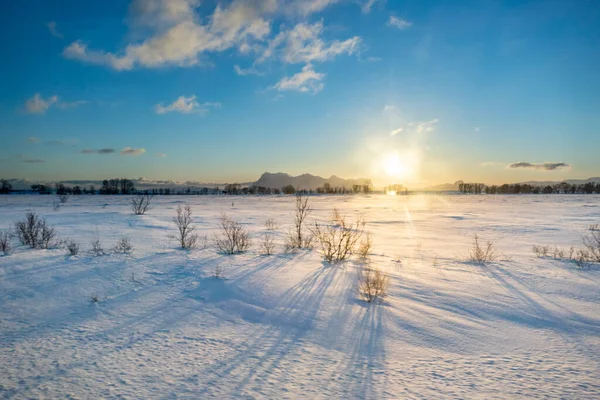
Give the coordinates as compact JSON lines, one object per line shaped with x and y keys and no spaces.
{"x":394,"y":166}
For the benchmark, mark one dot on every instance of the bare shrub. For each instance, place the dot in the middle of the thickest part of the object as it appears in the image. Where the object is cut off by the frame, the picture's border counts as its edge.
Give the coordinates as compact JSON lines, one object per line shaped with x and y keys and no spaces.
{"x":5,"y":246}
{"x":94,"y":298}
{"x":364,"y":248}
{"x":63,"y":198}
{"x":558,"y":253}
{"x":298,"y":238}
{"x":34,"y":232}
{"x":582,"y":258}
{"x":56,"y":206}
{"x":481,"y":254}
{"x":267,"y":245}
{"x":186,"y":235}
{"x":591,"y":241}
{"x":338,"y":242}
{"x":232,"y":237}
{"x":335,"y":217}
{"x":123,"y":246}
{"x":97,"y":249}
{"x":140,"y":203}
{"x":271,"y":225}
{"x":372,"y":284}
{"x":72,"y":246}
{"x":541,"y":251}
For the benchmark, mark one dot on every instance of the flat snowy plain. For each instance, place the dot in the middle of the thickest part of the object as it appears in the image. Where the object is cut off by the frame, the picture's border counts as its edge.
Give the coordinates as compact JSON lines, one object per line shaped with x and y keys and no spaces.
{"x":290,"y":326}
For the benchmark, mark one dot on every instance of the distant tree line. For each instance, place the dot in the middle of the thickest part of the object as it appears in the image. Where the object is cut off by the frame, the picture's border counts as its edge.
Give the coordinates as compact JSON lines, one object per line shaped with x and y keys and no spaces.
{"x":525,"y":188}
{"x":397,"y":189}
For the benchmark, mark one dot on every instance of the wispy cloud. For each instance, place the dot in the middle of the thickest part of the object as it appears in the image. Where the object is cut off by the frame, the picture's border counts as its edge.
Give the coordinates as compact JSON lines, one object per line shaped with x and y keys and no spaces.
{"x":98,"y":151}
{"x":417,"y":127}
{"x":367,"y":5}
{"x":388,"y":108}
{"x":63,"y":105}
{"x":306,"y":81}
{"x":173,"y":33}
{"x":248,"y":71}
{"x":489,"y":164}
{"x":399,"y":23}
{"x":546,"y":166}
{"x":39,"y":105}
{"x":33,"y":139}
{"x":32,"y":160}
{"x":130,"y":151}
{"x":186,"y":105}
{"x":53,"y":28}
{"x":160,"y":155}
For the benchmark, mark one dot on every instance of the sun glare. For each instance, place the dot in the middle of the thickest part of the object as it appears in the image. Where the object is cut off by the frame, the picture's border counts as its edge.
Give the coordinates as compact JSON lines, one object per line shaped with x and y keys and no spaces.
{"x":395,"y":167}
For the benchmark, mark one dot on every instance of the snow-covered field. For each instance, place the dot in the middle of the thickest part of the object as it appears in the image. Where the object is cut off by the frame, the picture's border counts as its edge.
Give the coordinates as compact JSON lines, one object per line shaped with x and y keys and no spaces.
{"x":290,"y":326}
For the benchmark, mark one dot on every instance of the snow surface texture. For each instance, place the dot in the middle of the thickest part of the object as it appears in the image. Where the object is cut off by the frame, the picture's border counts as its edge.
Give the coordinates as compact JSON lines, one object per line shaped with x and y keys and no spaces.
{"x":289,"y":326}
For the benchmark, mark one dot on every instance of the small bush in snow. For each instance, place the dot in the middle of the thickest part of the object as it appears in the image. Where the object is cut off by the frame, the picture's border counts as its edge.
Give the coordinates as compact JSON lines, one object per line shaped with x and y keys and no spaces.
{"x":591,"y":241}
{"x":270,"y":224}
{"x":34,"y":232}
{"x":267,"y":245}
{"x":372,"y":284}
{"x":481,"y":254}
{"x":140,"y":203}
{"x":63,"y":198}
{"x":97,"y":249}
{"x":338,"y":242}
{"x":582,"y":257}
{"x":5,"y":246}
{"x":73,"y":247}
{"x":123,"y":246}
{"x":298,"y":238}
{"x":186,"y":237}
{"x":364,"y":248}
{"x":232,"y":237}
{"x":541,"y":251}
{"x":56,"y":206}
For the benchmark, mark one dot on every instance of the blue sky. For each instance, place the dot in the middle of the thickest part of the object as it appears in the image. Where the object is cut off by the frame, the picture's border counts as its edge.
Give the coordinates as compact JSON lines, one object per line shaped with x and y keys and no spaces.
{"x":421,"y":92}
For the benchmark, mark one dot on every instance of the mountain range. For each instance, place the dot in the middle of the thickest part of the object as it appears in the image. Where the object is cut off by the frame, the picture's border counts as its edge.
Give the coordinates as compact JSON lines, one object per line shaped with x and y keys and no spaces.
{"x":306,"y":181}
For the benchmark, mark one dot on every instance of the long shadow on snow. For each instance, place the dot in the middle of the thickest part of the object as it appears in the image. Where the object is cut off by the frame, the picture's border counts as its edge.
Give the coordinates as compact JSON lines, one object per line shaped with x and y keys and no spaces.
{"x":280,"y":335}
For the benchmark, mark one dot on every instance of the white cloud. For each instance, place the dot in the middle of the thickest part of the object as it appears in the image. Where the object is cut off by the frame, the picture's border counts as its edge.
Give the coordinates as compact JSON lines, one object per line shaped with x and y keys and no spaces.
{"x":33,"y":139}
{"x":366,"y":5}
{"x":388,"y":108}
{"x":416,"y":127}
{"x":307,"y":7}
{"x":248,"y":71}
{"x":53,"y":28}
{"x":172,"y":33}
{"x":160,"y":155}
{"x":38,"y":105}
{"x":303,"y":44}
{"x":185,"y":105}
{"x":306,"y":81}
{"x":130,"y":151}
{"x":477,"y":129}
{"x":399,"y":23}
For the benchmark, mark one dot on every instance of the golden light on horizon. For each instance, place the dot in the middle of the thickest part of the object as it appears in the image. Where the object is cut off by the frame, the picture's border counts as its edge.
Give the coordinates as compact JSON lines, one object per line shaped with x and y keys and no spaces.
{"x":398,"y":167}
